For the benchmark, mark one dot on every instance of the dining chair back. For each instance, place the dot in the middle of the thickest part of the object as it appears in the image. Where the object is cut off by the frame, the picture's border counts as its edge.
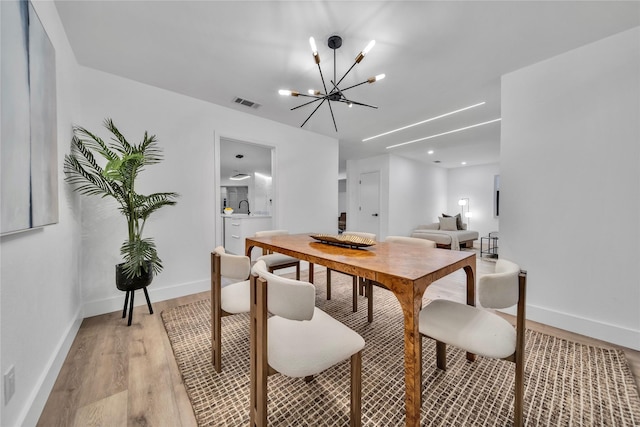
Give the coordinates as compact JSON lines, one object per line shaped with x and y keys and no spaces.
{"x":482,"y":332}
{"x":411,"y":241}
{"x":276,"y":261}
{"x":298,"y":340}
{"x":229,"y":294}
{"x":356,"y":282}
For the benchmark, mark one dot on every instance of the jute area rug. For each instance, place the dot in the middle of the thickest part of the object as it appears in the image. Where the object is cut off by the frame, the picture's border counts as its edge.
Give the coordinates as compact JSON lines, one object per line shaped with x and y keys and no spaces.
{"x":567,"y":384}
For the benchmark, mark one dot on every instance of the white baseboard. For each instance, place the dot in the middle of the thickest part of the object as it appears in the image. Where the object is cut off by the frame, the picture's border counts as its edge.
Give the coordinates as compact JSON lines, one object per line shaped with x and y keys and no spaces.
{"x":38,"y":398}
{"x":115,"y":303}
{"x":614,"y":334}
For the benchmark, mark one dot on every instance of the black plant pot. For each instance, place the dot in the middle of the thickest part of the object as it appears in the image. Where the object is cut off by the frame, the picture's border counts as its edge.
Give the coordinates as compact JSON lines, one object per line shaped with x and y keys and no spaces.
{"x":130,"y":285}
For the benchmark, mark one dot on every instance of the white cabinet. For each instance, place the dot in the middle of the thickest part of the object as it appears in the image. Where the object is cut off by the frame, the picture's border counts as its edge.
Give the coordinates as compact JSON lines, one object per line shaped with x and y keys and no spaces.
{"x":237,"y":228}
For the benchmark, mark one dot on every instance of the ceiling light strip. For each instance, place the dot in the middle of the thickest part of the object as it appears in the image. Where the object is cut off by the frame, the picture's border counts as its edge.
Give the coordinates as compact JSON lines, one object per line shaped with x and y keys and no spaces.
{"x":425,"y":121}
{"x":445,"y":133}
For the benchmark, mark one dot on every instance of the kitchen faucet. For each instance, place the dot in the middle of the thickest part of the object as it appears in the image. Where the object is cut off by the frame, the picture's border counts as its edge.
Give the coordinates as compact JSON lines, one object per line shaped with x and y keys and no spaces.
{"x":240,"y":204}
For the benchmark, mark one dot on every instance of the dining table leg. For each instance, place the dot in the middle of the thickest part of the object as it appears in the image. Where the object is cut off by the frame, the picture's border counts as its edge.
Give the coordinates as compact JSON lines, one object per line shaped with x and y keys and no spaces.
{"x":310,"y":272}
{"x":471,"y":294}
{"x":412,"y":358}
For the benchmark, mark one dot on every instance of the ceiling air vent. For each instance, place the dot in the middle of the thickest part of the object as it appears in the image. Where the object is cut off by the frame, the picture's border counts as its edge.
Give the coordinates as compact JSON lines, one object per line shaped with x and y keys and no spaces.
{"x":246,"y":102}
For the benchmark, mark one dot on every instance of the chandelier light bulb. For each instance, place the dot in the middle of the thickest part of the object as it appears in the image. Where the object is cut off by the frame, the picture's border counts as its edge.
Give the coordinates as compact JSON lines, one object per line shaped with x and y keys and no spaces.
{"x":313,"y":92}
{"x":312,"y":43}
{"x":285,"y":92}
{"x":370,"y":46}
{"x":376,"y":78}
{"x":350,"y":104}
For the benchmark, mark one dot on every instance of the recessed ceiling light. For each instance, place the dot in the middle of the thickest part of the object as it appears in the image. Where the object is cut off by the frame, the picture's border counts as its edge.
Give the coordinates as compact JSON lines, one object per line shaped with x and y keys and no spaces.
{"x":430,"y":152}
{"x":463,"y":163}
{"x":425,"y":121}
{"x":444,"y":133}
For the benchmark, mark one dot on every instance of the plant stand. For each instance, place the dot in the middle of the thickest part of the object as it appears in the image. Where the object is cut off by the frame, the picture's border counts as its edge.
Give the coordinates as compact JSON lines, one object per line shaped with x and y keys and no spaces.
{"x":131,"y":285}
{"x":126,"y":299}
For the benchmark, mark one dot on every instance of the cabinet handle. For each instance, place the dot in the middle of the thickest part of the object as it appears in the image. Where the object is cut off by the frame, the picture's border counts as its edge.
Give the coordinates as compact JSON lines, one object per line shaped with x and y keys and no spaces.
{"x":235,"y":224}
{"x":235,"y":237}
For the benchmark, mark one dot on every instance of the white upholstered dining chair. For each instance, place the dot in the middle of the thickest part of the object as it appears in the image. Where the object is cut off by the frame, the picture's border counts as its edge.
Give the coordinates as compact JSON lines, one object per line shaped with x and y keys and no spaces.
{"x":482,"y":332}
{"x":276,"y":261}
{"x":415,"y":241}
{"x":229,"y":294}
{"x":298,"y":340}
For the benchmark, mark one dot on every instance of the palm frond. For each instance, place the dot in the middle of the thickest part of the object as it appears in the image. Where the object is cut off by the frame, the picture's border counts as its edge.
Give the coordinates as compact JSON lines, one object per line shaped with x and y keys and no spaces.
{"x":136,"y":253}
{"x":94,"y":142}
{"x":146,"y":205}
{"x":149,"y":147}
{"x":84,"y":181}
{"x":123,"y":147}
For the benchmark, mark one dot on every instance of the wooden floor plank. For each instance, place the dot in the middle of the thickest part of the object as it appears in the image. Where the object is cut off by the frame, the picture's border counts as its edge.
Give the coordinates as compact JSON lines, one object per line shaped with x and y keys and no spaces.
{"x":108,"y":412}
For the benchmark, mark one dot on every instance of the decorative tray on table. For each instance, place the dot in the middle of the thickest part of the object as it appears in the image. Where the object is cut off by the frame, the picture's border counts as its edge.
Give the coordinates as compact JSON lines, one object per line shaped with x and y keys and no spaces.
{"x":344,"y":240}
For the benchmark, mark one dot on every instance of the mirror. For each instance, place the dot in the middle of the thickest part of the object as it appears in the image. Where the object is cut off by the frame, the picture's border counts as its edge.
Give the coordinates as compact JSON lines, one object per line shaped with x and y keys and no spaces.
{"x":245,"y":175}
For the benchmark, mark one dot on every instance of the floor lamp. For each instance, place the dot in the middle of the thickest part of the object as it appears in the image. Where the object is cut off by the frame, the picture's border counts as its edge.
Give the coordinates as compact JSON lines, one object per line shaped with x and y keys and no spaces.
{"x":465,"y":202}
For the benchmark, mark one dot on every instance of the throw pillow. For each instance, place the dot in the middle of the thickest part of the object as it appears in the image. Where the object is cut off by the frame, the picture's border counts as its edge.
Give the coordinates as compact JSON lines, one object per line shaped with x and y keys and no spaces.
{"x":458,"y":218}
{"x":448,"y":223}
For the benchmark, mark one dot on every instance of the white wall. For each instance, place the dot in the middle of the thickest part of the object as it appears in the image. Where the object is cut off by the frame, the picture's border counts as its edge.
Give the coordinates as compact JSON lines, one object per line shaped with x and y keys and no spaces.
{"x":475,"y":183}
{"x":411,"y":193}
{"x":570,"y":187}
{"x":417,"y":194}
{"x":189,"y":130}
{"x":41,"y":301}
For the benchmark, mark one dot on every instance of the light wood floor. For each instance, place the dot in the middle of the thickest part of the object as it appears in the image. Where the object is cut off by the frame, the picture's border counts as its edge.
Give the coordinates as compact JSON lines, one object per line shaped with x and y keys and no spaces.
{"x":116,"y":375}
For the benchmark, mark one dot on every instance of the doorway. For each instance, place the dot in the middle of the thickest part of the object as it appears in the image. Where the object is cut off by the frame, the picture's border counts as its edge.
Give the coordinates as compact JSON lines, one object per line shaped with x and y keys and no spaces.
{"x":246,"y":175}
{"x":369,"y":206}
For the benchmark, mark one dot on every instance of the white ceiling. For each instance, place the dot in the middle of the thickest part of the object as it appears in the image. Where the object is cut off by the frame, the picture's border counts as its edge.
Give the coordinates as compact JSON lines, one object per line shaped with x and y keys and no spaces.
{"x":437,"y":56}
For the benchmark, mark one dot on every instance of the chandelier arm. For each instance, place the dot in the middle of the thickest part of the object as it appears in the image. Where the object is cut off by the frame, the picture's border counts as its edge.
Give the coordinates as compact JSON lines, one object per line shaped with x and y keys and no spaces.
{"x":312,"y":113}
{"x":345,"y":74}
{"x":334,"y":65}
{"x":334,"y":119}
{"x":322,"y":78}
{"x":346,"y":101}
{"x":356,"y":85}
{"x":312,"y":96}
{"x":337,"y":89}
{"x":307,"y":103}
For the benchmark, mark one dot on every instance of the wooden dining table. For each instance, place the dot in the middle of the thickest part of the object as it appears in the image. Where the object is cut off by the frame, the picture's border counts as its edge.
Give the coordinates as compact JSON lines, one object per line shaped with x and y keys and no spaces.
{"x":406,"y":270}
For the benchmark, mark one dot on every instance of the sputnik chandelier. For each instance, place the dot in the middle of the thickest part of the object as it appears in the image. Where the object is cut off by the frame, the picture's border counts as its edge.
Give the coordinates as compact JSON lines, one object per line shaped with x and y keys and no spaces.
{"x":335,"y":94}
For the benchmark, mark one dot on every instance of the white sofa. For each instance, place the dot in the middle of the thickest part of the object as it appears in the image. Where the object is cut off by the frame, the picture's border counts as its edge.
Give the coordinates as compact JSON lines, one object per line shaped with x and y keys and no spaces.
{"x":447,"y":239}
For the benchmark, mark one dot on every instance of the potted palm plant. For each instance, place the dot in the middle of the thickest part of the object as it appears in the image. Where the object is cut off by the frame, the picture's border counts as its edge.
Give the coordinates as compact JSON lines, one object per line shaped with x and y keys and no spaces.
{"x":122,"y":162}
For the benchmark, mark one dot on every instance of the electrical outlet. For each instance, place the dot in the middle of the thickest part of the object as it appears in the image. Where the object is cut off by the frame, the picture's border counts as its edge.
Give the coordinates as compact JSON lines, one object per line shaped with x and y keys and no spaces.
{"x":9,"y":384}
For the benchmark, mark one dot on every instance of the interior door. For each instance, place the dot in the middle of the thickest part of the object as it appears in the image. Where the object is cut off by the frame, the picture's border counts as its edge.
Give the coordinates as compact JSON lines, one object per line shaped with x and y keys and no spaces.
{"x":369,"y":206}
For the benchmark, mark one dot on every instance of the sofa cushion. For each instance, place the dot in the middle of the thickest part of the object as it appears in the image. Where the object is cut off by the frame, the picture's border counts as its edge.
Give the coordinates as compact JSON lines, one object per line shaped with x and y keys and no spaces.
{"x":458,"y":218}
{"x":432,"y":226}
{"x":448,"y":223}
